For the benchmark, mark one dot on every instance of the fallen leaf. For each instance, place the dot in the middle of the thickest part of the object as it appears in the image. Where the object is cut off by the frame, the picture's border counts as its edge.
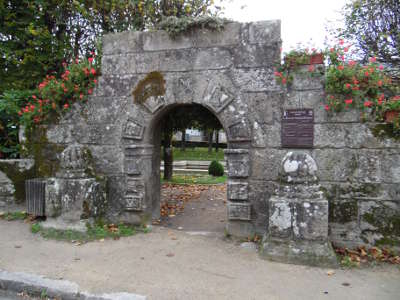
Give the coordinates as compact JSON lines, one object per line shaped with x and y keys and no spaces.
{"x":17,"y":246}
{"x":330,"y":272}
{"x":170,"y":255}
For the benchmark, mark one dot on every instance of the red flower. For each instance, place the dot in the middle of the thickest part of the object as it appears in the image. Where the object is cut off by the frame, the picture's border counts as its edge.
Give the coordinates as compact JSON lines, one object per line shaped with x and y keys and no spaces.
{"x":95,"y":80}
{"x":367,"y":103}
{"x":348,"y":101}
{"x":327,"y":107}
{"x":380,"y":82}
{"x":341,"y":42}
{"x":332,"y":50}
{"x":93,"y":71}
{"x":81,"y":96}
{"x":311,"y":68}
{"x":348,"y":85}
{"x":66,"y":105}
{"x":283,"y":80}
{"x":340,"y":67}
{"x":33,"y":96}
{"x":352,"y":63}
{"x":366,"y":73}
{"x":381,"y":67}
{"x":90,"y":59}
{"x":90,"y":91}
{"x":372,"y":59}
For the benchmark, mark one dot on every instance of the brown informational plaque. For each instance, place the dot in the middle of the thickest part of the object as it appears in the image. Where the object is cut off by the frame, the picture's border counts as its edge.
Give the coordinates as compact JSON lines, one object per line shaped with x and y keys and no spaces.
{"x":297,"y":128}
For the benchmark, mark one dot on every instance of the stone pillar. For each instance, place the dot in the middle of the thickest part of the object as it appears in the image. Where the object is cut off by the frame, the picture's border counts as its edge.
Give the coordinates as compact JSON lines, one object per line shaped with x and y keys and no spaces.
{"x":298,"y":216}
{"x":74,"y":196}
{"x":239,"y":208}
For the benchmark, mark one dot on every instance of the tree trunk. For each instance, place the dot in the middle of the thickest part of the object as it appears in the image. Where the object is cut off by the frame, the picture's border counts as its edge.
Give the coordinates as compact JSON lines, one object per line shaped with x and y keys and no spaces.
{"x":216,"y":140}
{"x":168,"y":158}
{"x":210,"y":140}
{"x":183,"y":140}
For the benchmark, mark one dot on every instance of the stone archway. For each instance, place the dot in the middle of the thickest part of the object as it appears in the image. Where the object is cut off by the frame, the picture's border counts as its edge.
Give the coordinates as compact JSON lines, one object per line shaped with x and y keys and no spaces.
{"x":146,"y":73}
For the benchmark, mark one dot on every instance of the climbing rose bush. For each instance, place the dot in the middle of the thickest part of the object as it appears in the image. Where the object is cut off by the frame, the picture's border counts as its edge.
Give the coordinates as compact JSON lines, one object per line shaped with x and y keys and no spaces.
{"x":54,"y":96}
{"x":350,"y":84}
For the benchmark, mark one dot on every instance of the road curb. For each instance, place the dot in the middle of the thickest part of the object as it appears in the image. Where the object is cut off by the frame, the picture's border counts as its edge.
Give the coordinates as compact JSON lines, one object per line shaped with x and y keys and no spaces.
{"x":36,"y":285}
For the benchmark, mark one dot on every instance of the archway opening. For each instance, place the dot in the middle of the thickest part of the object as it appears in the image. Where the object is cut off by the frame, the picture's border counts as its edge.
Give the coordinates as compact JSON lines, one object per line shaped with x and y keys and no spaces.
{"x":187,"y":138}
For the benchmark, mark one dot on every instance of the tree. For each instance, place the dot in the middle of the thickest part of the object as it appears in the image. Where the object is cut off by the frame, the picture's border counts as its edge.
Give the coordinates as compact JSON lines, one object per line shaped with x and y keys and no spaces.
{"x":374,"y":26}
{"x":37,"y":36}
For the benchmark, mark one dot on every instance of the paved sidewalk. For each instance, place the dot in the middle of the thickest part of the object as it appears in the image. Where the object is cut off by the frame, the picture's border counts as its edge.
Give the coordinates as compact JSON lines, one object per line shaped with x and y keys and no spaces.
{"x":170,"y":264}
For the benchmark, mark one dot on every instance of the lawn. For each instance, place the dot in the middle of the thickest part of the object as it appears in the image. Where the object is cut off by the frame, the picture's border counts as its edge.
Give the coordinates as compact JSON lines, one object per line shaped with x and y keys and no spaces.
{"x":195,"y":179}
{"x":198,"y":153}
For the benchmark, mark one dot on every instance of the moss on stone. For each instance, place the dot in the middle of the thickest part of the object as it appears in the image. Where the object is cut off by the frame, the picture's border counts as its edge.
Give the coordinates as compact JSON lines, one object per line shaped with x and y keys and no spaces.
{"x":42,"y":151}
{"x":385,"y":130}
{"x":17,"y":178}
{"x":152,"y":85}
{"x":343,"y":211}
{"x":387,"y":223}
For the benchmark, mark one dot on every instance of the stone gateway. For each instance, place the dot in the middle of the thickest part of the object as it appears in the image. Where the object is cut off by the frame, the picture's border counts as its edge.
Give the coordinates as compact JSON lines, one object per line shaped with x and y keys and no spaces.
{"x":342,"y":187}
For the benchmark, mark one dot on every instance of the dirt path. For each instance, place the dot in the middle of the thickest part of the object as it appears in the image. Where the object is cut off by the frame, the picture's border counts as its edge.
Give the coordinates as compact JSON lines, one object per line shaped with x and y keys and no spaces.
{"x":171,"y":264}
{"x":195,"y":208}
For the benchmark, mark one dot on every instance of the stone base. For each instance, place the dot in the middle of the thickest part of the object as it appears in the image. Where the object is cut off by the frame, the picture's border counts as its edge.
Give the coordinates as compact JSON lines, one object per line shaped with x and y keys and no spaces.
{"x":240,"y":229}
{"x":312,"y":253}
{"x":60,"y":224}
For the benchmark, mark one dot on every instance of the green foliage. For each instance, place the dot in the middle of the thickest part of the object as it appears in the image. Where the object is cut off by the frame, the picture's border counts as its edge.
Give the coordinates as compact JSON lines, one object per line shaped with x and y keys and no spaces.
{"x":10,"y":103}
{"x":96,"y":232}
{"x":374,"y":26}
{"x":215,"y":169}
{"x":195,"y":179}
{"x":56,"y":95}
{"x":13,"y":216}
{"x":35,"y":228}
{"x":175,"y":26}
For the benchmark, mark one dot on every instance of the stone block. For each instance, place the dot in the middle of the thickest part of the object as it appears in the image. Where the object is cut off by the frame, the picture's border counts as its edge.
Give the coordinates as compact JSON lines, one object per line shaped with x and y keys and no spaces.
{"x":280,"y":218}
{"x":212,"y":59}
{"x":335,"y":164}
{"x":107,"y":159}
{"x":160,"y":40}
{"x":118,"y":64}
{"x":310,"y":220}
{"x":268,"y":163}
{"x":239,"y":211}
{"x":177,"y":60}
{"x":239,"y":131}
{"x":369,"y":165}
{"x":229,"y":35}
{"x":237,"y":190}
{"x":265,"y":32}
{"x":238,"y":163}
{"x":329,"y":135}
{"x":256,"y":55}
{"x":240,"y":229}
{"x":303,"y":81}
{"x":343,"y":211}
{"x":122,"y":43}
{"x":148,"y":62}
{"x":390,"y":166}
{"x":256,"y":80}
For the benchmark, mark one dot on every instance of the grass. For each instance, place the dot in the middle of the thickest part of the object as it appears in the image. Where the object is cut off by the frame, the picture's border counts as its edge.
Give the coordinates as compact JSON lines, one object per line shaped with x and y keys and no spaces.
{"x":96,"y":232}
{"x":12,"y":216}
{"x":197,"y":153}
{"x":195,"y":179}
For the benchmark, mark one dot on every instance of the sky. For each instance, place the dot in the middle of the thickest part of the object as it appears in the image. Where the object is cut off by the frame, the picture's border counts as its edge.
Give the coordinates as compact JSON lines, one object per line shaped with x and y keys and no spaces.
{"x":301,"y":20}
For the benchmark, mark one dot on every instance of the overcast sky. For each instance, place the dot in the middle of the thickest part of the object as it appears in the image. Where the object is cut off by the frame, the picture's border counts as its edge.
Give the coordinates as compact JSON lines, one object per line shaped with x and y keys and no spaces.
{"x":302,"y":20}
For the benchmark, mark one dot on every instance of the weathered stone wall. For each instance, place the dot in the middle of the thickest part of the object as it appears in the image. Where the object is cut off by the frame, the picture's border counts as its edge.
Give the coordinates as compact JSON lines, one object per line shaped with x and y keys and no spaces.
{"x":230,"y":73}
{"x":13,"y":173}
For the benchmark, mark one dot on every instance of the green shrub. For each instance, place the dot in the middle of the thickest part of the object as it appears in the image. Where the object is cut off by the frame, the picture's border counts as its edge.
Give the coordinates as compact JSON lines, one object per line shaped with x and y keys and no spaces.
{"x":215,"y":169}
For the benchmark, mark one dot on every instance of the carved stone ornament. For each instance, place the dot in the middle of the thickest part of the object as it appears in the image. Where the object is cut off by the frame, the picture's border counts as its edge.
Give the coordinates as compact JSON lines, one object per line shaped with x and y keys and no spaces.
{"x":133,"y":130}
